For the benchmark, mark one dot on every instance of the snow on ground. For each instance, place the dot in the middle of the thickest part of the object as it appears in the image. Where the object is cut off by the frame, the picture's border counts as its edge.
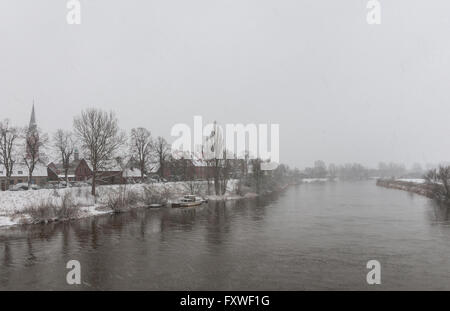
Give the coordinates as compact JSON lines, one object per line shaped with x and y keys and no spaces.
{"x":413,"y":180}
{"x":313,"y":180}
{"x":93,"y":210}
{"x":13,"y":203}
{"x":16,"y":201}
{"x":7,"y":221}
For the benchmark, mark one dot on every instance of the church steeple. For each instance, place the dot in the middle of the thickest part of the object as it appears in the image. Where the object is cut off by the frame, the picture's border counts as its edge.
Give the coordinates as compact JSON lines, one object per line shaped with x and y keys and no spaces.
{"x":33,"y":124}
{"x":32,"y":137}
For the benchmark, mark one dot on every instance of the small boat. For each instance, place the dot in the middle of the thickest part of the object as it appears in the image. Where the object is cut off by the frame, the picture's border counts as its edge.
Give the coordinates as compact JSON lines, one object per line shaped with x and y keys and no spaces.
{"x":188,"y":201}
{"x":155,"y":205}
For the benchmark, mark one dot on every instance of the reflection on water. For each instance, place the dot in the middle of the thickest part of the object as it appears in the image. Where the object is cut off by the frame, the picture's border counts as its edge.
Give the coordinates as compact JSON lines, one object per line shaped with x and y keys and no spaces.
{"x":309,"y":237}
{"x":438,"y":214}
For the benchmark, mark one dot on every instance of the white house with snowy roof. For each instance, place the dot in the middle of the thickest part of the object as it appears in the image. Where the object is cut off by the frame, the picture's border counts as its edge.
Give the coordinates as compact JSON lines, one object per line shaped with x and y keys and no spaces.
{"x":20,"y":175}
{"x":20,"y":170}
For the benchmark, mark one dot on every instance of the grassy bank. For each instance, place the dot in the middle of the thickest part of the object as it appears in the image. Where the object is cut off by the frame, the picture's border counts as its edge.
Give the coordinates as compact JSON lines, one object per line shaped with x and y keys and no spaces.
{"x":414,"y":187}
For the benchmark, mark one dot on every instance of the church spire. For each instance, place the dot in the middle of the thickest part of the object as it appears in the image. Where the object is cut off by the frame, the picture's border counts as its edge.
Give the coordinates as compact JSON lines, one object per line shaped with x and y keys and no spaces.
{"x":32,"y":136}
{"x":33,"y":118}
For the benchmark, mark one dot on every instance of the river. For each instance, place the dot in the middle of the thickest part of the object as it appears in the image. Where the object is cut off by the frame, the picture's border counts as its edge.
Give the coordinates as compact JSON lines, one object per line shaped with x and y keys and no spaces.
{"x":309,"y":237}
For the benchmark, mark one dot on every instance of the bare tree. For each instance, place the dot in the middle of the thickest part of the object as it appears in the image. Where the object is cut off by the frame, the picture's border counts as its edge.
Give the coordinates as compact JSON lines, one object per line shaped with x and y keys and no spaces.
{"x":215,"y":155}
{"x":8,"y":153}
{"x":64,"y":143}
{"x":192,"y":186}
{"x":100,"y":138}
{"x":257,"y":174}
{"x":226,"y":169}
{"x":431,"y":176}
{"x":35,"y":141}
{"x":162,"y":153}
{"x":141,"y":148}
{"x":332,"y":171}
{"x":439,"y":181}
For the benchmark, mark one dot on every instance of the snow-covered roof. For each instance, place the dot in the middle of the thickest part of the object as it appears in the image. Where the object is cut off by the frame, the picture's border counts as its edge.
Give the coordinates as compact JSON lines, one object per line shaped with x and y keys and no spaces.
{"x":112,"y":166}
{"x":72,"y":167}
{"x":132,"y":172}
{"x":199,"y":162}
{"x":21,"y":170}
{"x":115,"y":165}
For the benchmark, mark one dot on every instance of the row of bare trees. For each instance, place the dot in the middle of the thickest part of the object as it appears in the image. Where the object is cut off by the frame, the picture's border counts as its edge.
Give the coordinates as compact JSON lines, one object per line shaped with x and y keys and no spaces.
{"x":101,"y":140}
{"x":95,"y":132}
{"x":98,"y":136}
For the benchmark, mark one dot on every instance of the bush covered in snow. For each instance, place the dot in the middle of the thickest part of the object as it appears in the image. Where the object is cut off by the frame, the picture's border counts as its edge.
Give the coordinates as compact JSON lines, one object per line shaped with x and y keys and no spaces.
{"x":50,"y":209}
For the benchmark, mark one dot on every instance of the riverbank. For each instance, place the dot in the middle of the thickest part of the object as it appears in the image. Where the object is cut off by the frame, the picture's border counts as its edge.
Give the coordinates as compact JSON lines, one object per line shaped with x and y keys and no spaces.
{"x":415,"y":186}
{"x":50,"y":205}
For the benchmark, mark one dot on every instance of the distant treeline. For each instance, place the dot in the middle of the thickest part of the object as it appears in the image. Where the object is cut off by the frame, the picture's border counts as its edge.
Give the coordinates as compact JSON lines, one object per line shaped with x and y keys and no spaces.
{"x":357,"y":171}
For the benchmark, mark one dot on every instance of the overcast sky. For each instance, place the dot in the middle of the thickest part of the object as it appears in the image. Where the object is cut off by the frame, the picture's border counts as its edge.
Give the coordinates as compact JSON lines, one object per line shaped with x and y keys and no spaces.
{"x":341,"y":90}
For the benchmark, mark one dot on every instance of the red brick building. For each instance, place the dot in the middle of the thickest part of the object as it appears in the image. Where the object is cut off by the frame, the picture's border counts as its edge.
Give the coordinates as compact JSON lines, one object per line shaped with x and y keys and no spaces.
{"x":187,"y":169}
{"x":79,"y":170}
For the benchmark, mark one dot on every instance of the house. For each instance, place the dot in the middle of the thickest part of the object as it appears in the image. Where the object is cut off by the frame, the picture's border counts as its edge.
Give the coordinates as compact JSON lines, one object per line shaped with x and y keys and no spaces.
{"x":79,"y":170}
{"x":187,"y":169}
{"x":202,"y":170}
{"x":178,"y":169}
{"x":112,"y":173}
{"x":119,"y":171}
{"x":20,"y":170}
{"x":20,"y":175}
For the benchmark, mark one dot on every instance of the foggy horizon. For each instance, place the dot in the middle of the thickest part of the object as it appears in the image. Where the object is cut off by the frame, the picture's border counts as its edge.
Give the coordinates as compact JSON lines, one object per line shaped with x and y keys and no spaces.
{"x":341,"y":90}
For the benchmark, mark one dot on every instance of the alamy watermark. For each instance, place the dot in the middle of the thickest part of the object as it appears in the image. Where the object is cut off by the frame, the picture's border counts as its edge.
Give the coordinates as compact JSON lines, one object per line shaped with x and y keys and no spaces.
{"x":374,"y":275}
{"x":233,"y":141}
{"x":374,"y":14}
{"x":73,"y":16}
{"x":73,"y":277}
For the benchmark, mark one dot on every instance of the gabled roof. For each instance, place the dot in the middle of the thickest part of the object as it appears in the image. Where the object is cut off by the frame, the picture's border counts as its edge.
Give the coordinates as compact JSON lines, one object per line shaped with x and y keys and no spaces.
{"x":21,"y":170}
{"x":72,"y":167}
{"x":135,"y":172}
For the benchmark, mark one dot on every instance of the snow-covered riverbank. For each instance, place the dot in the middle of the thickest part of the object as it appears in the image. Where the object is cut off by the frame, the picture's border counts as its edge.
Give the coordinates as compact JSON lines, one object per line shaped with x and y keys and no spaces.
{"x":15,"y":205}
{"x":314,"y":180}
{"x":417,"y":186}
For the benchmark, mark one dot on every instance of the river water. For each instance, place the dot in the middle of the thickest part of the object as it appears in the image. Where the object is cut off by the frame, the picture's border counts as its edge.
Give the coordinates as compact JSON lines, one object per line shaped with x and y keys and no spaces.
{"x":312,"y":236}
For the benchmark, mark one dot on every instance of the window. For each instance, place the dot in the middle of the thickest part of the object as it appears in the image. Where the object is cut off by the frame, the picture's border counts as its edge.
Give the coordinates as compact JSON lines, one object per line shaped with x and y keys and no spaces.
{"x":20,"y":172}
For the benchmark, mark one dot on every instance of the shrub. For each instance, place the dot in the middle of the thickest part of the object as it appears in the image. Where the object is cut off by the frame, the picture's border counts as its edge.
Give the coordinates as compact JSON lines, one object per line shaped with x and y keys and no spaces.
{"x":67,"y":209}
{"x":153,"y":196}
{"x":120,"y":200}
{"x":241,"y":188}
{"x":192,"y":187}
{"x":439,"y":183}
{"x":48,"y":210}
{"x":55,"y":193}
